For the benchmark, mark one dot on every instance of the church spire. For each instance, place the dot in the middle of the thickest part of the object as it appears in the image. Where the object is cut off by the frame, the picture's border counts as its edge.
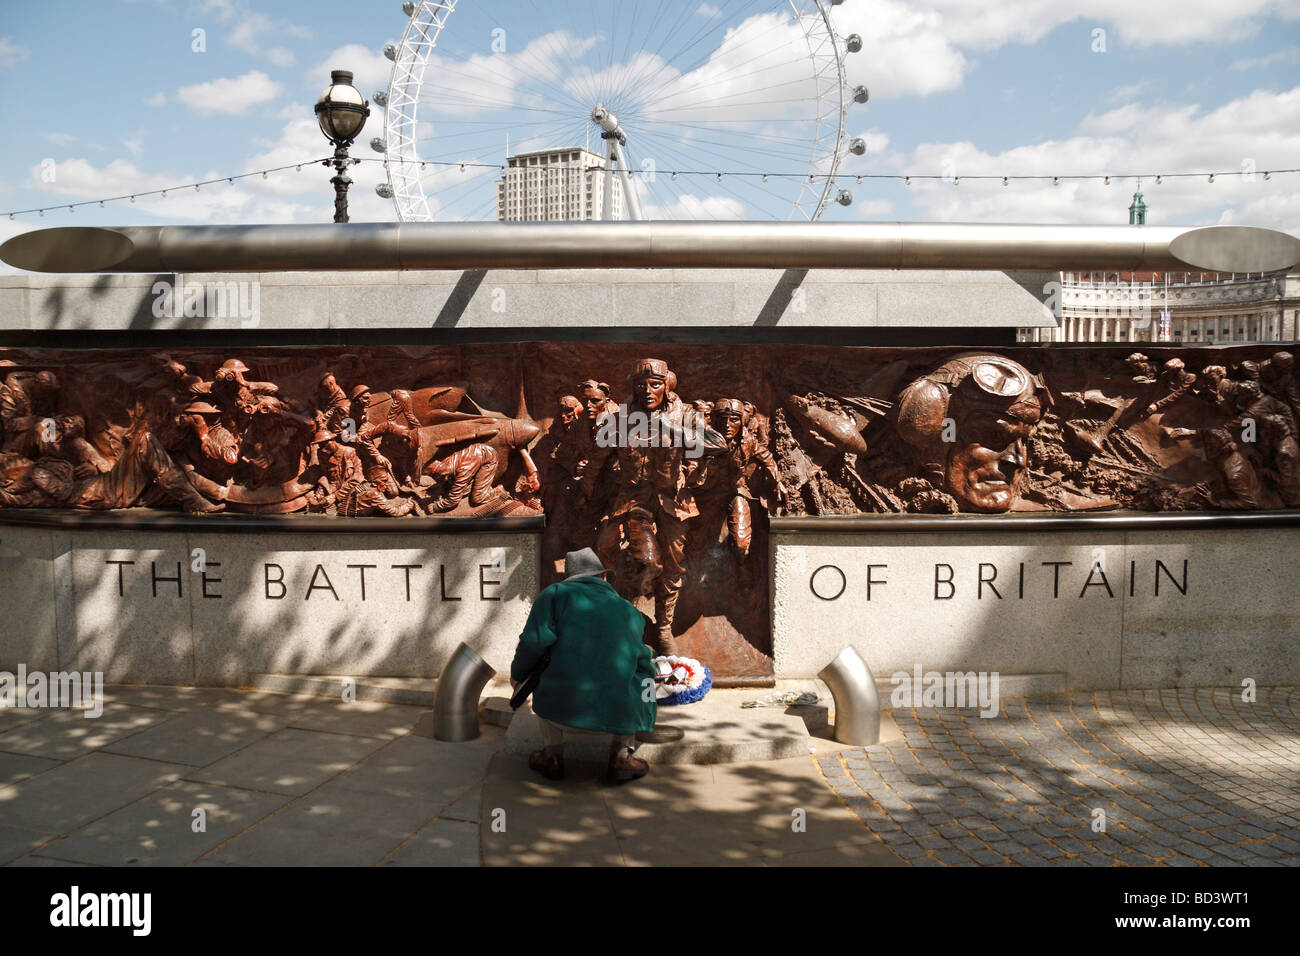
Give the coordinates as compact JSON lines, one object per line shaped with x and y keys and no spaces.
{"x":1137,"y":211}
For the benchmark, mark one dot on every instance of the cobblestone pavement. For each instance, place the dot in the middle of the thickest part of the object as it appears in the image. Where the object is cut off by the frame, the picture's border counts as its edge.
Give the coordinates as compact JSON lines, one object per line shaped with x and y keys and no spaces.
{"x":1189,"y":777}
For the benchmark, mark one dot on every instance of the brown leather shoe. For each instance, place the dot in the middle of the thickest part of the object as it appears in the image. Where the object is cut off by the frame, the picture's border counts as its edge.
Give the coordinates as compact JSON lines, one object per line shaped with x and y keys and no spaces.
{"x":624,"y":767}
{"x":549,"y":766}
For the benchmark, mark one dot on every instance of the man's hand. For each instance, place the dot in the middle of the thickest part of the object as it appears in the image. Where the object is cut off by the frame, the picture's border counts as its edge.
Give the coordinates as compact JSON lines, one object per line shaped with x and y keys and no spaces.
{"x":514,"y":684}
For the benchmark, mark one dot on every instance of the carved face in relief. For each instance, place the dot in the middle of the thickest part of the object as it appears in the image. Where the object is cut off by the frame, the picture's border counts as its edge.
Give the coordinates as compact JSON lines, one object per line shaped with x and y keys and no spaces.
{"x":569,"y":410}
{"x":985,"y":472}
{"x":652,"y":381}
{"x":728,"y":416}
{"x":649,"y":391}
{"x":971,"y":420}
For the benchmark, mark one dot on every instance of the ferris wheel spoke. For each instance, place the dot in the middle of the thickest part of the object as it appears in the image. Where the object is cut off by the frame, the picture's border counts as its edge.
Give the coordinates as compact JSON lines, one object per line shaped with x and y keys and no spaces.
{"x":751,"y":187}
{"x":689,"y":11}
{"x":744,"y":148}
{"x":679,"y":85}
{"x":721,"y":24}
{"x":547,"y":38}
{"x":781,"y":24}
{"x":697,"y":160}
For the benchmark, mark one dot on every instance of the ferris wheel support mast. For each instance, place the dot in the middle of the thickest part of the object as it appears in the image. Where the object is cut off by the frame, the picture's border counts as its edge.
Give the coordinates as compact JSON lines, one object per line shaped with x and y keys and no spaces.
{"x":614,"y":138}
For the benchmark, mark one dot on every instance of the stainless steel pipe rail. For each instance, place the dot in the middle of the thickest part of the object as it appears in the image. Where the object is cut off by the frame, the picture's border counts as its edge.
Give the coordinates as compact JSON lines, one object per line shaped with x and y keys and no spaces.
{"x":857,"y":704}
{"x":455,"y":707}
{"x":683,"y":245}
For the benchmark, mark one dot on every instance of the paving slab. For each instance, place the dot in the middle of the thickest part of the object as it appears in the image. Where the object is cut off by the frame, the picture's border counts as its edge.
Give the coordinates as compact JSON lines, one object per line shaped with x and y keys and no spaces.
{"x":716,"y":730}
{"x":172,"y":697}
{"x":35,"y":859}
{"x":686,"y":815}
{"x":331,"y":826}
{"x":467,"y":808}
{"x":16,"y":767}
{"x":416,"y":767}
{"x":158,"y":829}
{"x":66,"y":734}
{"x":362,"y":718}
{"x":82,"y":790}
{"x":198,"y":737}
{"x":291,"y":761}
{"x":443,"y":842}
{"x":15,"y":841}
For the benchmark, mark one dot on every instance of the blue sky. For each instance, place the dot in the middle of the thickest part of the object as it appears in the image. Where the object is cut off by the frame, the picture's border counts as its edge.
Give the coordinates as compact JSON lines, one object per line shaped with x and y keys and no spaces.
{"x":103,"y":98}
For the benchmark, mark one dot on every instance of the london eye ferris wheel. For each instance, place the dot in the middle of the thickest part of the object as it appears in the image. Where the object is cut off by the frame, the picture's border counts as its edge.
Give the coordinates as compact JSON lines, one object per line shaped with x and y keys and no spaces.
{"x":728,"y":110}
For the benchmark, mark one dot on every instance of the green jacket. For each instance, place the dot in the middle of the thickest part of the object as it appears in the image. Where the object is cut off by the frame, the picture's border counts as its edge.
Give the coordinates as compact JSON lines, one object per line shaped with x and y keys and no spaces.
{"x":599,"y":666}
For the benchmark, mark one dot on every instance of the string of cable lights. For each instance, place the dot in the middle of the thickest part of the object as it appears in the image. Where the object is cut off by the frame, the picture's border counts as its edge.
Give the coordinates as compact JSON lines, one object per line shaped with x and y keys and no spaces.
{"x":717,"y":175}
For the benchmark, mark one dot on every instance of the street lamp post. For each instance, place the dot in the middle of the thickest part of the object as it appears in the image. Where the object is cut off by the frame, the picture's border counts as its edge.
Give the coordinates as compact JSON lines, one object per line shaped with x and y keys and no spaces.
{"x":341,"y":112}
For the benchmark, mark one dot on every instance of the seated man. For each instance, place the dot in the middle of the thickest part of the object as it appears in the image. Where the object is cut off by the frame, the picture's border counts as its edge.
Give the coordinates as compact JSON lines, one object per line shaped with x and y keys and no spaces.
{"x":600,"y":677}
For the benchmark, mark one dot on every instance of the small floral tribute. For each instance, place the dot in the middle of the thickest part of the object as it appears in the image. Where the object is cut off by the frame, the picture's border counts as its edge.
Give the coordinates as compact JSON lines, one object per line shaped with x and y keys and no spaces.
{"x":680,"y":680}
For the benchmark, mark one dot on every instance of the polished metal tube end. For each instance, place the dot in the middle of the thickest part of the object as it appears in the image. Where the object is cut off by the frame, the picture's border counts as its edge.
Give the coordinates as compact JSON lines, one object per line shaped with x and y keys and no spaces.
{"x":857,"y":705}
{"x":455,"y":706}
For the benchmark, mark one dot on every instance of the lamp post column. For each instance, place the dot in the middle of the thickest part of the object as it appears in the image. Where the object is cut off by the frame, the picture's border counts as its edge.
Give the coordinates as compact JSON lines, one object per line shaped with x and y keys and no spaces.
{"x":341,"y":181}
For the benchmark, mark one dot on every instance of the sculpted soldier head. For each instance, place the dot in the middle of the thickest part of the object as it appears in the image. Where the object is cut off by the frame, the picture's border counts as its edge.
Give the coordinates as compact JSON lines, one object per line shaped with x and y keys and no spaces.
{"x":232,"y":370}
{"x":652,"y":383}
{"x":569,"y":409}
{"x":595,"y":397}
{"x":970,"y":421}
{"x":729,"y":416}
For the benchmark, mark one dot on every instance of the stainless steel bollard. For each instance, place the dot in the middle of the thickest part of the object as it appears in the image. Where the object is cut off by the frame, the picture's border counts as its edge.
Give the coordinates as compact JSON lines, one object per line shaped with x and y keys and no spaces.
{"x":455,"y":708}
{"x":857,"y":705}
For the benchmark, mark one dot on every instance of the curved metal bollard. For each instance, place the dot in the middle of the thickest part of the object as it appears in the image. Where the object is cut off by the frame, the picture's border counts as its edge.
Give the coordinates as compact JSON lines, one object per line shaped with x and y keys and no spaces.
{"x":857,"y":705}
{"x":455,"y":708}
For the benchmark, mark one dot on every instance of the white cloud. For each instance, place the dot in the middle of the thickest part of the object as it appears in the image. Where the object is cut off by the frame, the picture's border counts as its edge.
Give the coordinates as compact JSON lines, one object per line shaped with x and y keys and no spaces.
{"x":916,"y":49}
{"x":158,"y":99}
{"x":230,"y":94}
{"x":251,"y":32}
{"x":874,"y":208}
{"x":286,"y":196}
{"x":1127,"y":140}
{"x":135,"y":143}
{"x":688,"y":206}
{"x":11,"y":53}
{"x":370,"y":69}
{"x":709,"y":10}
{"x":63,"y":140}
{"x":977,"y":25}
{"x":1291,"y":55}
{"x":1125,"y":93}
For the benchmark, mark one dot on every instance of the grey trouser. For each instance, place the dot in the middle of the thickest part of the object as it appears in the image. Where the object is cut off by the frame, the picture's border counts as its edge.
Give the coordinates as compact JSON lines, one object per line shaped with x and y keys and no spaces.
{"x":553,"y":736}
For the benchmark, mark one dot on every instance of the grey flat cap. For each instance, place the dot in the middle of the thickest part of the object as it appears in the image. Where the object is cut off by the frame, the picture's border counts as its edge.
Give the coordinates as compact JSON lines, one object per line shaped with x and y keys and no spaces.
{"x":582,"y":564}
